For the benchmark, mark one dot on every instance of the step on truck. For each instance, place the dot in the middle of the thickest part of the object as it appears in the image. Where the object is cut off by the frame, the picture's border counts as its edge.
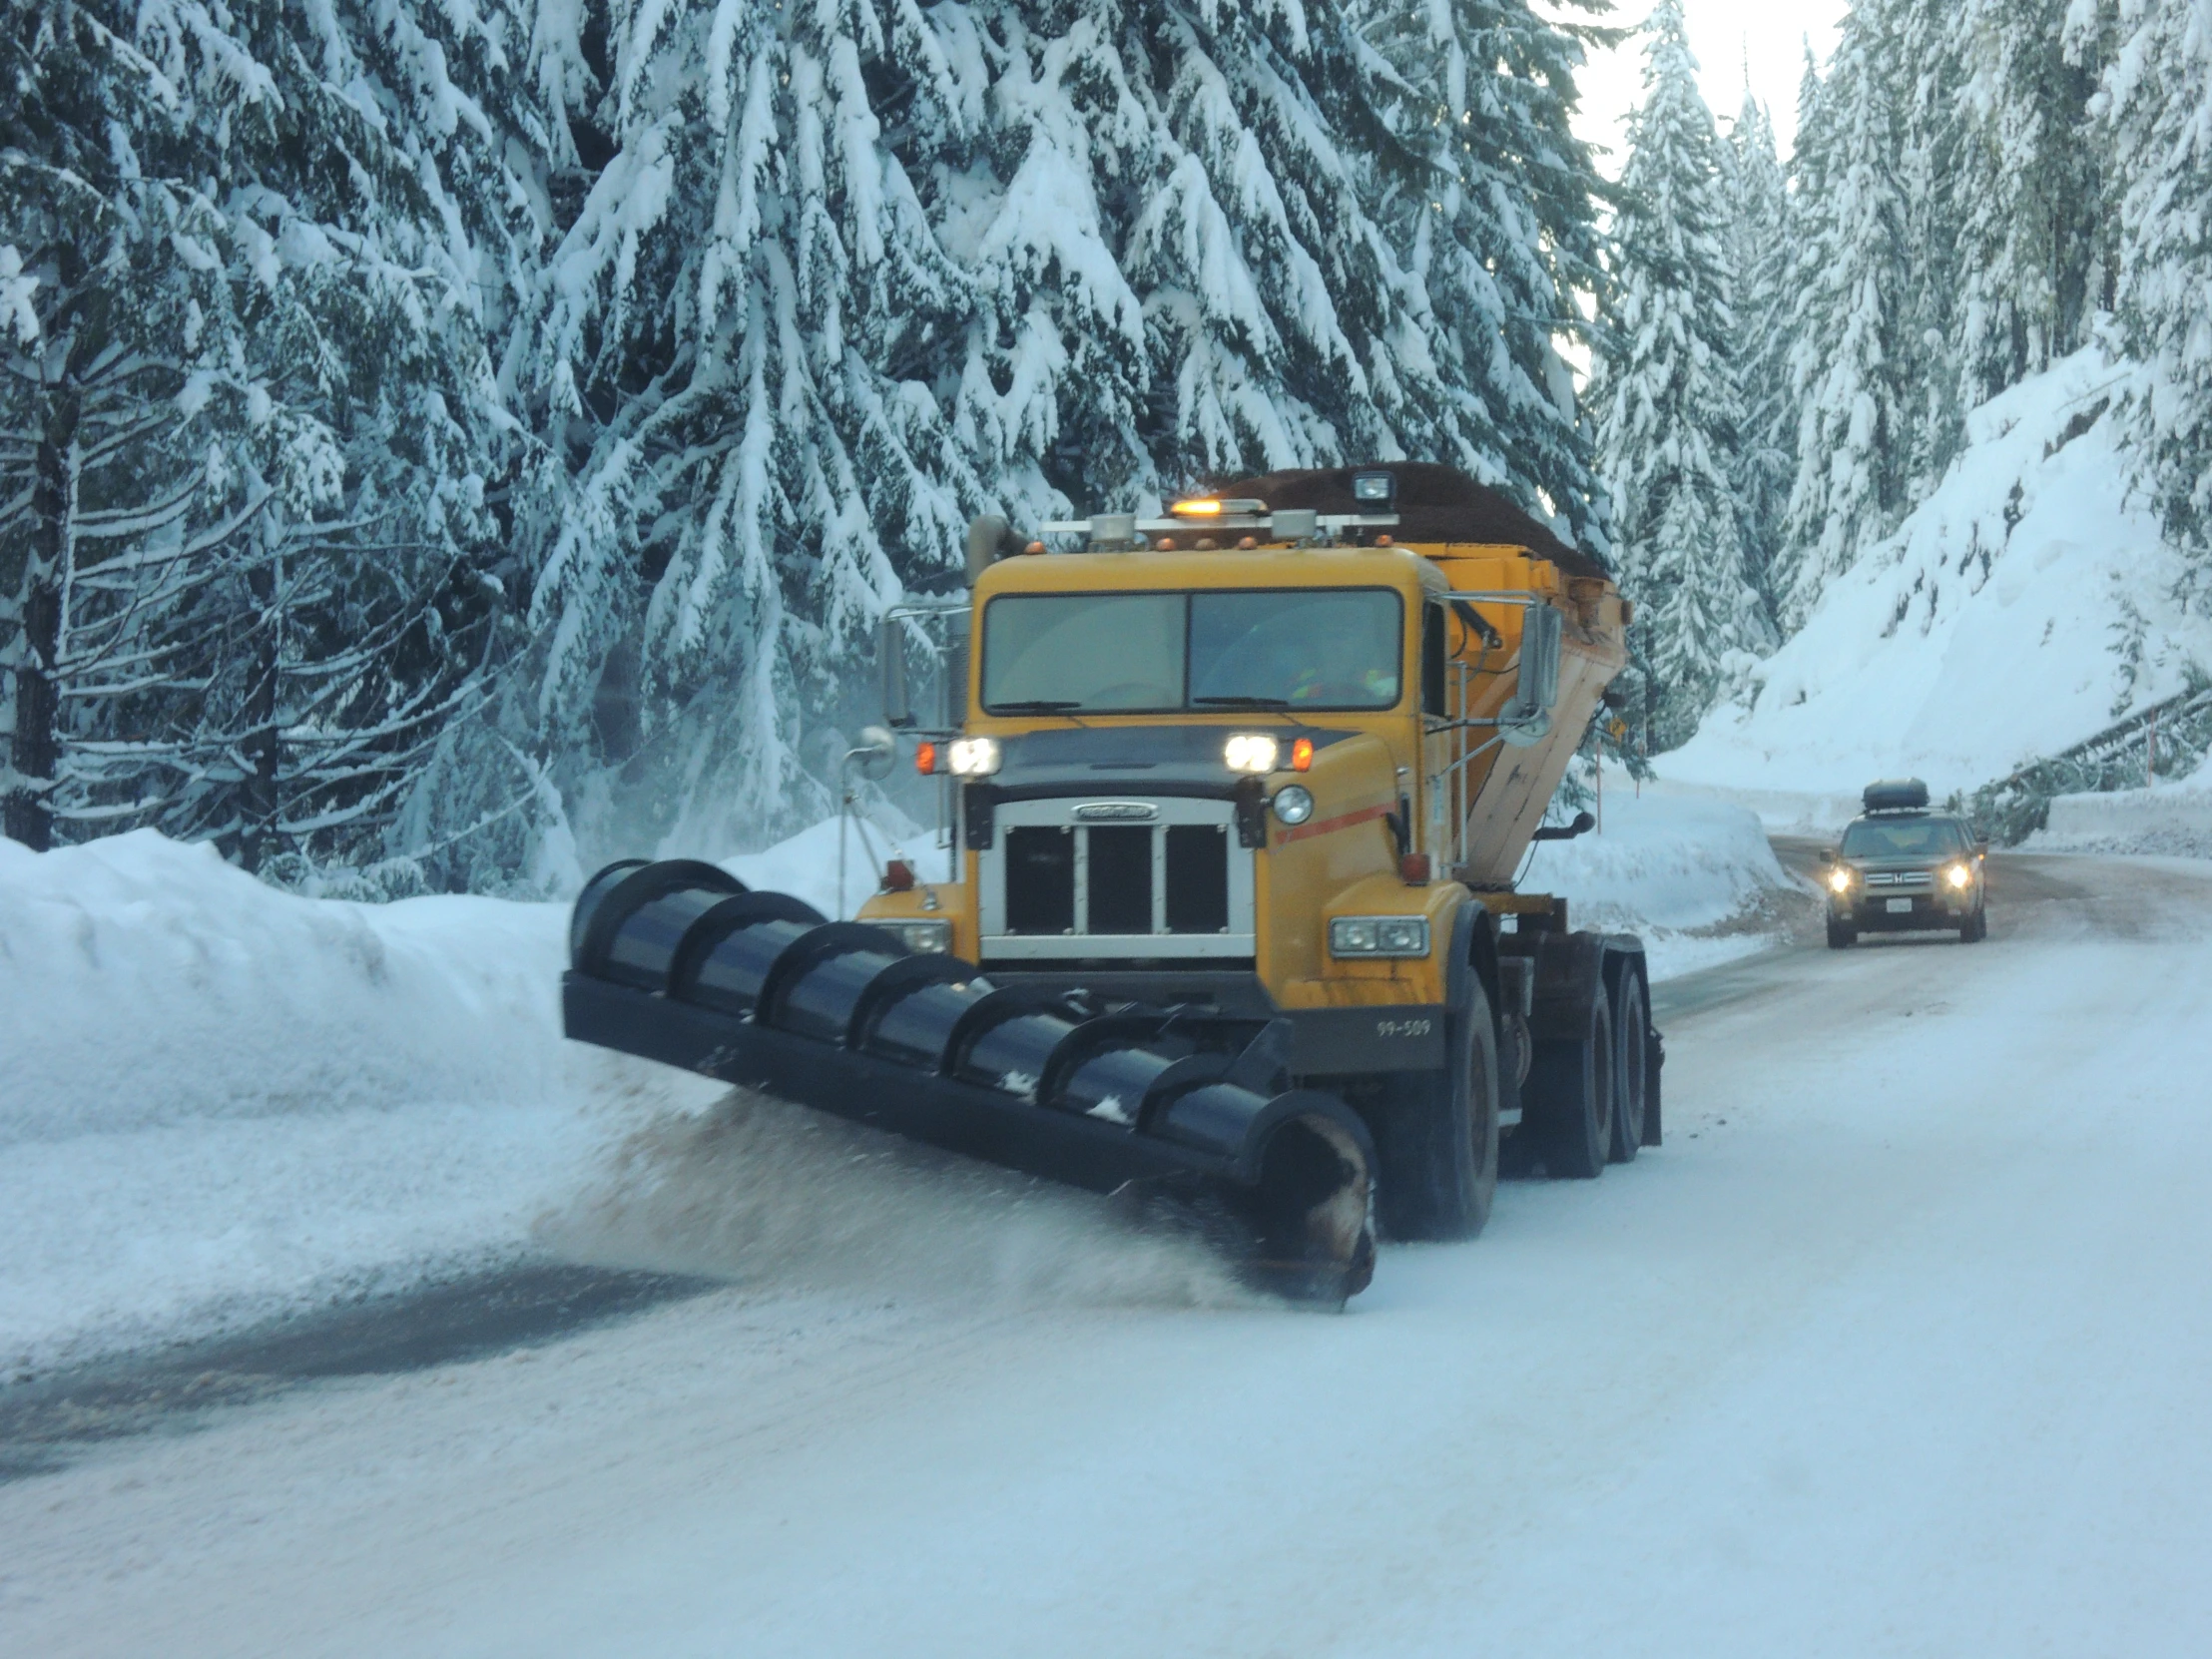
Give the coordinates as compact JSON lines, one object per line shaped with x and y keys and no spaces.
{"x":1237,"y":797}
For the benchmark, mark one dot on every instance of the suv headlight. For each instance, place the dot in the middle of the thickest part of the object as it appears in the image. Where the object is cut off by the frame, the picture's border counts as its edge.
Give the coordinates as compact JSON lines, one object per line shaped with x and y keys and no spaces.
{"x":924,"y":938}
{"x":1959,"y":876}
{"x":1839,"y":878}
{"x":971,"y":756}
{"x":1379,"y":936}
{"x":1253,"y":751}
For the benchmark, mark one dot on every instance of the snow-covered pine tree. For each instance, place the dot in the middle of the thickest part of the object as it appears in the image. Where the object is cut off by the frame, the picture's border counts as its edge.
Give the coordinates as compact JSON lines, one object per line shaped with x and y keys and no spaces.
{"x":1759,"y":240}
{"x":2157,"y":98}
{"x":1922,"y":53}
{"x":1669,"y":406}
{"x":2035,"y":259}
{"x":1851,"y":274}
{"x":244,"y":602}
{"x":1490,"y":202}
{"x":778,"y":397}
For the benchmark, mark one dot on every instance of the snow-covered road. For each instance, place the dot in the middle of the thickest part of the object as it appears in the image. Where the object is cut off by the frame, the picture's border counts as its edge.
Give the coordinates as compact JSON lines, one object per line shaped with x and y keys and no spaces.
{"x":1899,"y":1347}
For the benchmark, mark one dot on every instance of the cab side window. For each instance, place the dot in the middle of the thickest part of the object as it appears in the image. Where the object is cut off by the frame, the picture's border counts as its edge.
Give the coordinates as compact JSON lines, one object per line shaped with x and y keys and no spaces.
{"x":1432,"y":660}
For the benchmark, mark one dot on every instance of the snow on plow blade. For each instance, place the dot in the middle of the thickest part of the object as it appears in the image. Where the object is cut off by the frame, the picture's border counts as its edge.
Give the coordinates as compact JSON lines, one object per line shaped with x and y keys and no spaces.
{"x":678,"y":961}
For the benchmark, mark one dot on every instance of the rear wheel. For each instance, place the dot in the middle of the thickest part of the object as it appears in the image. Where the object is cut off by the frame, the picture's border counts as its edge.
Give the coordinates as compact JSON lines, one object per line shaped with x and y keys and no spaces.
{"x":1570,"y":1088}
{"x":1840,"y":935}
{"x":1436,"y":1136}
{"x":1631,"y":1022}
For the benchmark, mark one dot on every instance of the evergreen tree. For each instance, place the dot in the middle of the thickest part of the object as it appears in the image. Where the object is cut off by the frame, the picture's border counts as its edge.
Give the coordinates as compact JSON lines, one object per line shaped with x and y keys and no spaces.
{"x":2158,"y":102}
{"x":1758,"y":241}
{"x":245,"y":386}
{"x":2035,"y":256}
{"x":1670,"y":409}
{"x":1852,"y":273}
{"x":1918,"y":48}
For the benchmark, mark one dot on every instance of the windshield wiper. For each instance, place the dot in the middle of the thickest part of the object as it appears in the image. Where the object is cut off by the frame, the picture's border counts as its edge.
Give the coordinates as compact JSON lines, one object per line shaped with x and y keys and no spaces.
{"x":1245,"y":702}
{"x":1035,"y":705}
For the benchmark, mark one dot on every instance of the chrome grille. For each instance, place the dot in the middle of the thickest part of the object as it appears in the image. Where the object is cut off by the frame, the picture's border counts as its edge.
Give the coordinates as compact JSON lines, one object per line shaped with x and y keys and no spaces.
{"x":1900,"y":880}
{"x":1067,"y":879}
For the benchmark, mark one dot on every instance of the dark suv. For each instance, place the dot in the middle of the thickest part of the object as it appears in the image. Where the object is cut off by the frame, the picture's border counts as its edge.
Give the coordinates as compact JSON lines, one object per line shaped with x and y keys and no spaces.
{"x":1905,"y":869}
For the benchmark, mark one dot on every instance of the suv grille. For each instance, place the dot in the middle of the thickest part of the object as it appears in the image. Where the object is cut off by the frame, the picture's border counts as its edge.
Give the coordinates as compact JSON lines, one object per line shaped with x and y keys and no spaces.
{"x":1908,"y":880}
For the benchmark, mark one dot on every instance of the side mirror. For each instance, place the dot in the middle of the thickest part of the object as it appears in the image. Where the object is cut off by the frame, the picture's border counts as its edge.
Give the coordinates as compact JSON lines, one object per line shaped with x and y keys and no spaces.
{"x":890,"y":662}
{"x":1615,"y":698}
{"x":874,"y":754}
{"x":1828,"y":854}
{"x":1528,"y":719}
{"x":1583,"y":824}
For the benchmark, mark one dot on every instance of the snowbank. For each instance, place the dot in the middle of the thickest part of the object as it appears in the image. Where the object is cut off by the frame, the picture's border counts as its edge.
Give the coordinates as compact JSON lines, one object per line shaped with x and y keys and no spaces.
{"x":1693,"y":874}
{"x":220,"y":1100}
{"x":1981,"y":634}
{"x":2173,"y":818}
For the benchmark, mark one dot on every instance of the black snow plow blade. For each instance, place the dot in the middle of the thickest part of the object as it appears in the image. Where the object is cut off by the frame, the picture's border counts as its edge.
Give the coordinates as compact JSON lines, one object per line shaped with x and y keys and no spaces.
{"x":677,"y":961}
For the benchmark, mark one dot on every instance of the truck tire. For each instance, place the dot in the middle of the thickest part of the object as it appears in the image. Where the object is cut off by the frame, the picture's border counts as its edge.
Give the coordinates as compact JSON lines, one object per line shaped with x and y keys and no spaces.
{"x":1631,"y":1053}
{"x":1436,"y":1136}
{"x":1840,"y":937}
{"x":1571,"y":1096}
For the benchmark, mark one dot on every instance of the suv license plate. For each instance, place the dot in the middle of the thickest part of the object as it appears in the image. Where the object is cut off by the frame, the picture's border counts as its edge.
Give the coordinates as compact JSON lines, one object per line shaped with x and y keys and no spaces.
{"x":1901,"y":906}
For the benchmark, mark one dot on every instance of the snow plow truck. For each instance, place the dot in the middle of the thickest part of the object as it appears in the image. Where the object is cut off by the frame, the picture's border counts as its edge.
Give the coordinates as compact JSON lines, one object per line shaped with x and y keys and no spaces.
{"x":1237,"y":797}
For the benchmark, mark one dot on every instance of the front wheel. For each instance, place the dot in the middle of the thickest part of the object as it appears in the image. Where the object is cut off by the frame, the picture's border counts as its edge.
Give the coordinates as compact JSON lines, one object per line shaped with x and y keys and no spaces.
{"x":1437,"y":1138}
{"x":1841,"y":937}
{"x":1975,"y":928}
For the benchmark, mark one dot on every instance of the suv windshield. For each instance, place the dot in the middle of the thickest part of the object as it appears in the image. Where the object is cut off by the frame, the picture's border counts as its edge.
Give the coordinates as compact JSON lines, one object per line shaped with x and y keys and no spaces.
{"x":1904,"y":838}
{"x":1112,"y":653}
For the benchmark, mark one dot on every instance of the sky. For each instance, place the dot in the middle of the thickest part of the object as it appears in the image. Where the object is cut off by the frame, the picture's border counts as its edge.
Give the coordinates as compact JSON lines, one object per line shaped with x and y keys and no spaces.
{"x":1765,"y":37}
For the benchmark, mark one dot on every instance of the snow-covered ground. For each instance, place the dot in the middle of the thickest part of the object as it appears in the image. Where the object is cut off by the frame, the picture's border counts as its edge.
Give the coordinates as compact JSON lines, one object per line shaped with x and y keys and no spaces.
{"x":1897,"y":1347}
{"x":1980,"y":636}
{"x":2175,"y":817}
{"x":1692,"y":873}
{"x":223,"y":1102}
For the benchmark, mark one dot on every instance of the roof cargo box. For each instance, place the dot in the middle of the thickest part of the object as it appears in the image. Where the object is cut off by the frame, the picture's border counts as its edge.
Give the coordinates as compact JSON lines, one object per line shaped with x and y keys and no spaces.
{"x":1897,"y":795}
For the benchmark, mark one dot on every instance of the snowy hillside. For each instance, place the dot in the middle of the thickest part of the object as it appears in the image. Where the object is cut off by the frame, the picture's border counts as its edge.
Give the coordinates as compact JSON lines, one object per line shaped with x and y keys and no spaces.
{"x":2023,"y":608}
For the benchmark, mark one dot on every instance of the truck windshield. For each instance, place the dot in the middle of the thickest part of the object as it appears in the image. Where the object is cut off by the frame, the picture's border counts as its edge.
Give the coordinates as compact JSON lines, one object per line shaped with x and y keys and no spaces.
{"x":1128,"y":653}
{"x":1906,"y":838}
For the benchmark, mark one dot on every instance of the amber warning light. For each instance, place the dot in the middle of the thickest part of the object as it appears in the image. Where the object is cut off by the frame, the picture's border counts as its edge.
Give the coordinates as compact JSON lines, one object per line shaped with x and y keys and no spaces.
{"x":1207,"y":506}
{"x":925,"y":757}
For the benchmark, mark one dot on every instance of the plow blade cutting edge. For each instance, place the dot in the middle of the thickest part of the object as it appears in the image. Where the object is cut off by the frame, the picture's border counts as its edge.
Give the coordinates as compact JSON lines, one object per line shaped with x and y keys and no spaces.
{"x":679,"y":962}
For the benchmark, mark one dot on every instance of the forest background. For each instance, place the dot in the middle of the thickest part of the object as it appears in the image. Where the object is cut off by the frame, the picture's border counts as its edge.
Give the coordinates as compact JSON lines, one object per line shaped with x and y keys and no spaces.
{"x":444,"y":442}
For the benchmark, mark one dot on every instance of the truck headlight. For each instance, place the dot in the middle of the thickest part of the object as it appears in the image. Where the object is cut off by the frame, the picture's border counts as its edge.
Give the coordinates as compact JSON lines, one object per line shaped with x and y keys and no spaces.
{"x":1839,"y":880}
{"x":971,"y":756}
{"x":1379,"y":936}
{"x":1959,"y":876}
{"x":1294,"y":802}
{"x":924,"y":938}
{"x":1253,"y":751}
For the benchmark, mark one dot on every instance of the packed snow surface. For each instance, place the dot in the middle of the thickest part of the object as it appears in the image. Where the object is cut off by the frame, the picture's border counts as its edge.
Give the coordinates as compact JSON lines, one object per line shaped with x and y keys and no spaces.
{"x":2024,"y":607}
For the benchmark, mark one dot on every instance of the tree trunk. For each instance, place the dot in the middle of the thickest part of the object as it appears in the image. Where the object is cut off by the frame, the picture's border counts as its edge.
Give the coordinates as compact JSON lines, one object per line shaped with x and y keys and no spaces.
{"x":36,"y":750}
{"x":260,"y":837}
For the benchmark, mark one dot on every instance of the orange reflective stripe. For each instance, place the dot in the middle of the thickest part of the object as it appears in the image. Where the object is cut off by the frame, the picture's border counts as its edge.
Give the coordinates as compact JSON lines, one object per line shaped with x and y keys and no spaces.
{"x":1365,"y":815}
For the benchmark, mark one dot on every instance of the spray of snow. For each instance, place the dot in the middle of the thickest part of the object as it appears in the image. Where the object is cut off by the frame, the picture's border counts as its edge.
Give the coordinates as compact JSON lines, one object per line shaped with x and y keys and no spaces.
{"x":780,"y":1197}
